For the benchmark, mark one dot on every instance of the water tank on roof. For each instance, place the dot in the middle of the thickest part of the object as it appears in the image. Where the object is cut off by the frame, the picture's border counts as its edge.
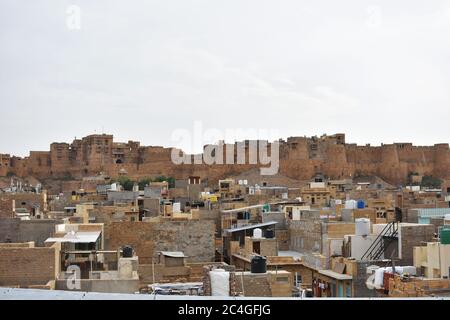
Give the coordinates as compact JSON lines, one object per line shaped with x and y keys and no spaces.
{"x":371,"y":269}
{"x":362,"y":227}
{"x":361,"y":204}
{"x":257,"y":233}
{"x":445,"y":236}
{"x":127,"y":252}
{"x":270,"y":233}
{"x":259,"y":265}
{"x":350,"y":204}
{"x":220,"y":282}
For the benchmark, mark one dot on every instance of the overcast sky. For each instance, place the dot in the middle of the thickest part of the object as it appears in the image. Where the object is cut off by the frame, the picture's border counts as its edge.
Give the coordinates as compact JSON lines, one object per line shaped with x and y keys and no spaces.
{"x":378,"y":71}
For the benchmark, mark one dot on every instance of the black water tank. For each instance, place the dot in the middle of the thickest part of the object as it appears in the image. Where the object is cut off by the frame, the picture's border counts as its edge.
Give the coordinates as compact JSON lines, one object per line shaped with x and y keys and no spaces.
{"x":127,"y":252}
{"x":259,"y":265}
{"x":270,"y":234}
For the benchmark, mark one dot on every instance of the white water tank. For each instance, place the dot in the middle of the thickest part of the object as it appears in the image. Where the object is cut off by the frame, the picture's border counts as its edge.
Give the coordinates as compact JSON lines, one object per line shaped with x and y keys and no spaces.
{"x":257,"y":233}
{"x":176,"y":208}
{"x":220,"y":283}
{"x":362,"y":227}
{"x":351,"y":204}
{"x":379,"y":277}
{"x":371,"y":269}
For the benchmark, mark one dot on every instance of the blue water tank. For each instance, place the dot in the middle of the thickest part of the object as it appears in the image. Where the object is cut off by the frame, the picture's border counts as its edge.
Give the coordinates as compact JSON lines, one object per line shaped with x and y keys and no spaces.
{"x":361,"y":204}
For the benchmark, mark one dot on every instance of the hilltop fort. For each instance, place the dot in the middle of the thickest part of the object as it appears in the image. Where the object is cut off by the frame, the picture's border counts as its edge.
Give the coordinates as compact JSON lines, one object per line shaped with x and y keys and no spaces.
{"x":300,"y":158}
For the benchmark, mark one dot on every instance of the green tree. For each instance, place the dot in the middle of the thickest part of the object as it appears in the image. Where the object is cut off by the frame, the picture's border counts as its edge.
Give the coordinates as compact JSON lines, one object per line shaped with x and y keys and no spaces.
{"x":125,"y":182}
{"x":431,"y":182}
{"x":128,"y":184}
{"x":170,"y":180}
{"x":144,"y":182}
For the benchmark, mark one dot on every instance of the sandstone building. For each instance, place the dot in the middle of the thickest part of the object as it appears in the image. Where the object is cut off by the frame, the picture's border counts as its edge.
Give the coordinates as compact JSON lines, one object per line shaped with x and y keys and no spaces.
{"x":300,"y":158}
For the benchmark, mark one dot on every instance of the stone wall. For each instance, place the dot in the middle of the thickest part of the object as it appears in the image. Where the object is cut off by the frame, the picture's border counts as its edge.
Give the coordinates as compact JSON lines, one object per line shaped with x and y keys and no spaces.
{"x":413,"y":236}
{"x":306,"y":235}
{"x":6,"y":210}
{"x":9,"y":228}
{"x":193,"y":237}
{"x":437,"y":223}
{"x":27,"y":230}
{"x":300,"y":158}
{"x":254,"y":285}
{"x":282,"y":237}
{"x":99,"y":285}
{"x":5,"y":163}
{"x":22,"y":200}
{"x":108,"y":214}
{"x":27,"y":266}
{"x":275,"y":216}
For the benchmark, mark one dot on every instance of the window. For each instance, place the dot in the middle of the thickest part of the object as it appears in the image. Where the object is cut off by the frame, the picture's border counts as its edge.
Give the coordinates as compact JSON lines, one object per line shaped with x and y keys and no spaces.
{"x":257,"y":247}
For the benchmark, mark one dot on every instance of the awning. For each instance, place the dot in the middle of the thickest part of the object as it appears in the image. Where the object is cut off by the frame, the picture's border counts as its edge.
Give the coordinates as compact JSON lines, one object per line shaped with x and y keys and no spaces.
{"x":242,"y":209}
{"x":251,"y":226}
{"x":77,"y":237}
{"x":173,"y":254}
